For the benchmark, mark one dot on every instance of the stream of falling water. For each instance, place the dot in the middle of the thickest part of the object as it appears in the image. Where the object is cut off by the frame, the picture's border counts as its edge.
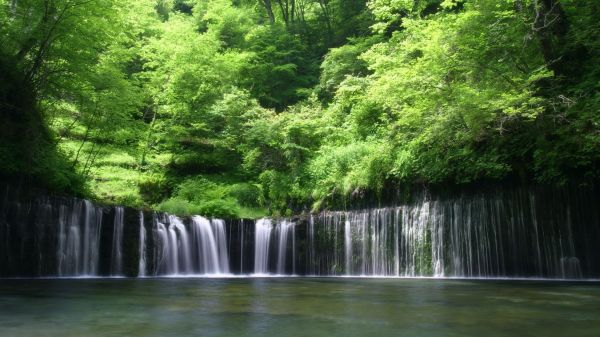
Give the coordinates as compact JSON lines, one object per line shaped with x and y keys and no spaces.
{"x":264,"y":228}
{"x":209,"y":239}
{"x":513,"y":235}
{"x":142,"y":264}
{"x":78,"y":254}
{"x":116,"y":262}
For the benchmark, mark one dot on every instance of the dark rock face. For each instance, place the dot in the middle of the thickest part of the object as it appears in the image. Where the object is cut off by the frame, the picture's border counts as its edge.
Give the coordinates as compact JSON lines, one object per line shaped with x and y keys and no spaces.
{"x":500,"y":232}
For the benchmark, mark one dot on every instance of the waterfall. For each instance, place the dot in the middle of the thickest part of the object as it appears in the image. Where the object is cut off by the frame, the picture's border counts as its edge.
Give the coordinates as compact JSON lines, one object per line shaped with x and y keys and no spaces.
{"x":201,"y":248}
{"x":142,"y":263}
{"x":77,"y":253}
{"x":173,"y":247}
{"x":264,"y":227}
{"x":311,"y":259}
{"x":293,"y":251}
{"x":91,"y":239}
{"x":284,"y":237}
{"x":325,"y":239}
{"x":67,"y":251}
{"x":283,"y":228}
{"x":491,"y":236}
{"x":211,"y":245}
{"x":218,"y":226}
{"x":73,"y":247}
{"x":162,"y":250}
{"x":116,"y":262}
{"x":522,"y":232}
{"x":241,"y":236}
{"x":181,"y":255}
{"x":348,"y":247}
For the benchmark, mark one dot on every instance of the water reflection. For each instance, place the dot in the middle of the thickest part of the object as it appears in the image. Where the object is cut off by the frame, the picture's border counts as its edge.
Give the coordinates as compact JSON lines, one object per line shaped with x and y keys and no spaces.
{"x":298,"y":307}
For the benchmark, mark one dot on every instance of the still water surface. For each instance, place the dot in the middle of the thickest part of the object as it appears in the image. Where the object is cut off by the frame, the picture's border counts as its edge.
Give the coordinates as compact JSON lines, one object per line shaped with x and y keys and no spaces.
{"x":309,"y":307}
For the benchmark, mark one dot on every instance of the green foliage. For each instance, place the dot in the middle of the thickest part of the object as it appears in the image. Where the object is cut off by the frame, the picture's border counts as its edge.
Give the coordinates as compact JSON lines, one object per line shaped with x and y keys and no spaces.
{"x":153,"y":188}
{"x":279,"y":72}
{"x":237,"y":109}
{"x":178,"y":206}
{"x":247,"y":195}
{"x":217,"y":199}
{"x":349,"y":168}
{"x":342,"y":62}
{"x":28,"y":155}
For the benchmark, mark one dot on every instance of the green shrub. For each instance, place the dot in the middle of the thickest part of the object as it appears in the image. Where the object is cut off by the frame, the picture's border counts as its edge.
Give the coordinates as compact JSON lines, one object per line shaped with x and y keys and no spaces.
{"x":246,"y":194}
{"x":176,"y":206}
{"x":224,"y":208}
{"x":153,"y":188}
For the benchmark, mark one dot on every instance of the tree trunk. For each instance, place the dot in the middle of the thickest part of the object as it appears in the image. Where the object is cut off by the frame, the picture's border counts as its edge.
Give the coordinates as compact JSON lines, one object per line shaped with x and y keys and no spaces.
{"x":284,"y":12}
{"x":293,"y":11}
{"x":551,"y":27}
{"x":325,"y":8}
{"x":269,"y":9}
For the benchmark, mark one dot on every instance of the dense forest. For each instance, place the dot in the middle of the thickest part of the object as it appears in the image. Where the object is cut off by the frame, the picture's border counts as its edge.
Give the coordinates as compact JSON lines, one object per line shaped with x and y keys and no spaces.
{"x":243,"y":108}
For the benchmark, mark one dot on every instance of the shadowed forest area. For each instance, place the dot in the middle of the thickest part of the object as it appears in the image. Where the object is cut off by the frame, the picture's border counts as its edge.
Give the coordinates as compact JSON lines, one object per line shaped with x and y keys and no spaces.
{"x":248,"y":108}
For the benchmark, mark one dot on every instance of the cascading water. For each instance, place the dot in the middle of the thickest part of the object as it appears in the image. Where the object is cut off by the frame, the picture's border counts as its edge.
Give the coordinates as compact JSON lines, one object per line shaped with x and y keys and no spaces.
{"x":209,"y":239}
{"x":161,"y":250}
{"x":218,"y":227}
{"x":311,"y":266}
{"x":514,"y":233}
{"x":68,"y":242}
{"x":241,"y":236}
{"x":477,"y":237}
{"x":293,"y":251}
{"x":181,"y":255}
{"x":283,"y":228}
{"x":200,"y":248}
{"x":91,"y":238}
{"x":77,"y":254}
{"x":116,"y":262}
{"x":264,"y":228}
{"x":348,"y":246}
{"x":173,"y":250}
{"x":142,"y":264}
